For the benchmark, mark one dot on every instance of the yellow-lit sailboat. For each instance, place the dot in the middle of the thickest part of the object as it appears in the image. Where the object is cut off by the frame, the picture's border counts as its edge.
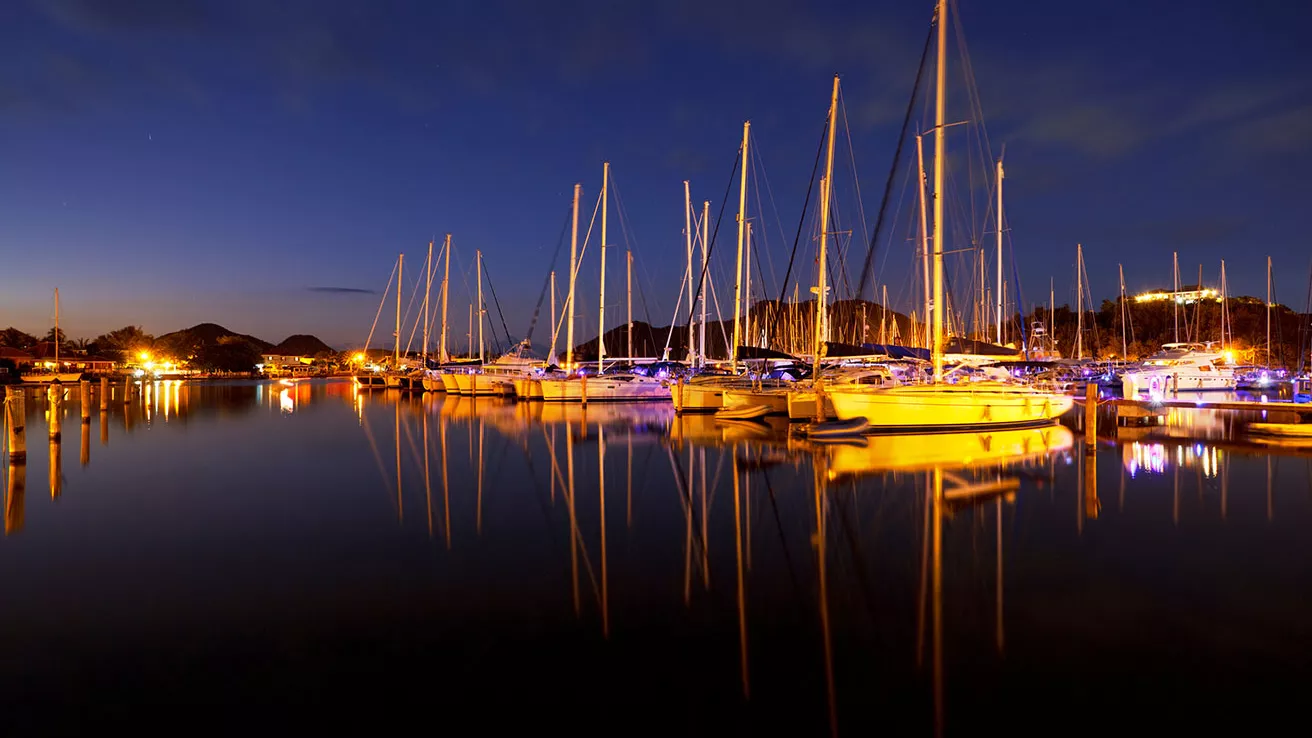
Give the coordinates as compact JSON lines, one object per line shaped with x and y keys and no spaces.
{"x":940,"y":406}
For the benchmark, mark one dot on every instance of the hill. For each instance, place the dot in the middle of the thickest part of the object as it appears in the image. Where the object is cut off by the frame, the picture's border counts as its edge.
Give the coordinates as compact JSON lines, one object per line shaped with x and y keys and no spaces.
{"x":301,"y":345}
{"x":188,"y":340}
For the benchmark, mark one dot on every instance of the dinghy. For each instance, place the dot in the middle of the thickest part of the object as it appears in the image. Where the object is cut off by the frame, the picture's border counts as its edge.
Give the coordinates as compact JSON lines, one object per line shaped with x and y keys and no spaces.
{"x":838,"y":428}
{"x":743,"y":412}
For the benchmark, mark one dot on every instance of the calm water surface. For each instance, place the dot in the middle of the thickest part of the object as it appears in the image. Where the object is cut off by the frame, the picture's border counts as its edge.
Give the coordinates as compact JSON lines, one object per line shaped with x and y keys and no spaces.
{"x":316,"y":560}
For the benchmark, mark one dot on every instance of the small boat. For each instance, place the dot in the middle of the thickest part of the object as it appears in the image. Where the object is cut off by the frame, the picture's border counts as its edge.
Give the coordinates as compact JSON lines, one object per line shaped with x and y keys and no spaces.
{"x":743,"y":412}
{"x":838,"y":428}
{"x":1290,"y":430}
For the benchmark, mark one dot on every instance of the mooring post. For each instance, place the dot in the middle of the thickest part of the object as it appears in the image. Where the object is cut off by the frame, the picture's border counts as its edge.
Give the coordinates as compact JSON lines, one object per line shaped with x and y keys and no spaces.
{"x":583,"y":389}
{"x":14,"y":400}
{"x":55,"y":409}
{"x":104,"y":394}
{"x":1090,"y":415}
{"x":84,"y":390}
{"x":127,"y":390}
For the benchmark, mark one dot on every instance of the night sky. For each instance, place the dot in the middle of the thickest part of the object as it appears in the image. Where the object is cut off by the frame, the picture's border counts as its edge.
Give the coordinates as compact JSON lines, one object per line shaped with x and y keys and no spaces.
{"x":260,"y":164}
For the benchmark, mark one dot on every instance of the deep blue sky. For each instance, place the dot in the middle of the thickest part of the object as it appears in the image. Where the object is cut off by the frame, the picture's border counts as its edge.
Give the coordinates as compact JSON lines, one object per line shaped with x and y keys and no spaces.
{"x":167,"y":162}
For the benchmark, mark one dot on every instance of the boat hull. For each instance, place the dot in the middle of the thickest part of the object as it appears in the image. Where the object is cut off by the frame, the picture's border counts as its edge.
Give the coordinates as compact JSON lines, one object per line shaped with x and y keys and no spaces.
{"x":775,"y":399}
{"x":946,"y":408}
{"x":605,"y":389}
{"x":1134,"y":383}
{"x":63,"y":377}
{"x":697,"y":398}
{"x":369,"y":381}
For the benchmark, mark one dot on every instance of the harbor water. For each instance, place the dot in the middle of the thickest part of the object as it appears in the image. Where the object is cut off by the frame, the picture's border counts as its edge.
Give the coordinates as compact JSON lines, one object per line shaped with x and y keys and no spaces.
{"x":306,"y":557}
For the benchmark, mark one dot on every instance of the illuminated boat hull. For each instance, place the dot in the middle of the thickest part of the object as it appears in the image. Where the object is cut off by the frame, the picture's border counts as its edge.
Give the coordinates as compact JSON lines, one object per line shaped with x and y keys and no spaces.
{"x":774,"y":399}
{"x":606,"y":388}
{"x":369,"y":381}
{"x":949,"y":407}
{"x":697,"y":398}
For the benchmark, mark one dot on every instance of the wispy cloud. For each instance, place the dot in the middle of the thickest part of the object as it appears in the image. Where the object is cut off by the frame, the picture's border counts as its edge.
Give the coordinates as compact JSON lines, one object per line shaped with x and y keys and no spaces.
{"x":342,"y":290}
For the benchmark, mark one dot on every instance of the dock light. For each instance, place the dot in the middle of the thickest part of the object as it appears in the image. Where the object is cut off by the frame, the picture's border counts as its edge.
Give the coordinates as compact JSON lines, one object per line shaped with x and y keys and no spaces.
{"x":358,"y":358}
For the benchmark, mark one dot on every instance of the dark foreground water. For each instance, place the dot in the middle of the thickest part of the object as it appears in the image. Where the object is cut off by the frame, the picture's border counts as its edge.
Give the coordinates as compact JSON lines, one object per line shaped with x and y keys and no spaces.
{"x":305,"y":559}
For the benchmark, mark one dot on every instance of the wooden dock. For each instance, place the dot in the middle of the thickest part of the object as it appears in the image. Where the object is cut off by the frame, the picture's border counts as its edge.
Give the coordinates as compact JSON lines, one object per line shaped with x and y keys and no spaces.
{"x":1134,"y":408}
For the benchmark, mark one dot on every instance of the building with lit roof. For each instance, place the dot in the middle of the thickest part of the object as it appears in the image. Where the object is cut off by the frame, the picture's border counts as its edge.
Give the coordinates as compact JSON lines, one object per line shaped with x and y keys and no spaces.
{"x":1184,"y":295}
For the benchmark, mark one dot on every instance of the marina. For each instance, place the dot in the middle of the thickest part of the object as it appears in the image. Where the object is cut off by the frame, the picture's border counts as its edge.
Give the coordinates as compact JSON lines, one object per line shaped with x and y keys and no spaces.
{"x":654,"y":369}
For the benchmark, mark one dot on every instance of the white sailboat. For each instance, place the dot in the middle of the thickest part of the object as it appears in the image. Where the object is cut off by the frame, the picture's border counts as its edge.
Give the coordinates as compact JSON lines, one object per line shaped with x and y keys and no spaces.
{"x":942,"y":406}
{"x":603,"y":387}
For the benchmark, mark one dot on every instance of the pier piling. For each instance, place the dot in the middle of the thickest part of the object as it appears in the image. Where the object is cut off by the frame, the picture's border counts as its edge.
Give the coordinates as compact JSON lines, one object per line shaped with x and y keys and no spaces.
{"x":55,"y":409}
{"x":84,"y":392}
{"x":14,"y":408}
{"x":1090,"y":415}
{"x":104,"y":394}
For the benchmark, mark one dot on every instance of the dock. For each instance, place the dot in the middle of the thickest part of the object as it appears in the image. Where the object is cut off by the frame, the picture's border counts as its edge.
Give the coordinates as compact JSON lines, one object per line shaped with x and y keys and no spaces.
{"x":1136,"y":408}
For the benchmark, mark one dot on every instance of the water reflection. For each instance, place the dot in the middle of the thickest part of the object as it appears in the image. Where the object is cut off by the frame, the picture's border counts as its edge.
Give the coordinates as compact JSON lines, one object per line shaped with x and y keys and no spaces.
{"x":772,"y":582}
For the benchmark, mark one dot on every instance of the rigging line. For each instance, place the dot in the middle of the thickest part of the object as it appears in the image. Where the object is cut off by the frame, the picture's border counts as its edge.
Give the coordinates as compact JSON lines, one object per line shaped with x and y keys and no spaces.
{"x":757,"y":168}
{"x":801,"y":221}
{"x":897,"y":155}
{"x":710,"y":248}
{"x":510,"y":343}
{"x":546,"y":282}
{"x":856,"y":180}
{"x":642,"y":296}
{"x":578,"y":265}
{"x":678,"y":303}
{"x":414,"y":328}
{"x":381,"y":302}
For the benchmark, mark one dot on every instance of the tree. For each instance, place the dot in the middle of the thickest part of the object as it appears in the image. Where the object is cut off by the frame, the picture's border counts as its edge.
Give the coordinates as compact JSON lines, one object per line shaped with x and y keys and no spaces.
{"x":124,"y":342}
{"x":55,"y":335}
{"x":14,"y":338}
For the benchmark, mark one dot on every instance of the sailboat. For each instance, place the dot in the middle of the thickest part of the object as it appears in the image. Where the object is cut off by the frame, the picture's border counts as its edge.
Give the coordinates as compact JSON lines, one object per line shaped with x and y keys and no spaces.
{"x":51,"y":371}
{"x":940,"y":405}
{"x":603,"y":387}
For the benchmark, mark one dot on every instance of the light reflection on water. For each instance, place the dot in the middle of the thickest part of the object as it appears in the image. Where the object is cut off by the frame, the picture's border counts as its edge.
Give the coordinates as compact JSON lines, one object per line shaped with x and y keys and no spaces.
{"x":225,"y":544}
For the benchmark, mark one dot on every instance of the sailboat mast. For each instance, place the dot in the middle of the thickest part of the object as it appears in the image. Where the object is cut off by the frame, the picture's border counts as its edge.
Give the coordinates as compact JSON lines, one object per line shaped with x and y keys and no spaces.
{"x":629,"y":264}
{"x":747,"y":290}
{"x":1268,"y":312}
{"x":446,"y":274}
{"x":573,"y":272}
{"x":428,"y":288}
{"x":601,"y":310}
{"x":1225,"y":307}
{"x":400,"y":268}
{"x":1125,"y":347}
{"x":479,"y":257}
{"x":826,"y":188}
{"x":1079,"y":301}
{"x":940,"y":161}
{"x":1052,"y":312}
{"x":551,"y":355}
{"x":57,"y":336}
{"x":883,"y":317}
{"x":687,"y":237}
{"x":738,"y":265}
{"x":924,"y":231}
{"x":998,"y":317}
{"x":1175,"y":298}
{"x":706,"y":233}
